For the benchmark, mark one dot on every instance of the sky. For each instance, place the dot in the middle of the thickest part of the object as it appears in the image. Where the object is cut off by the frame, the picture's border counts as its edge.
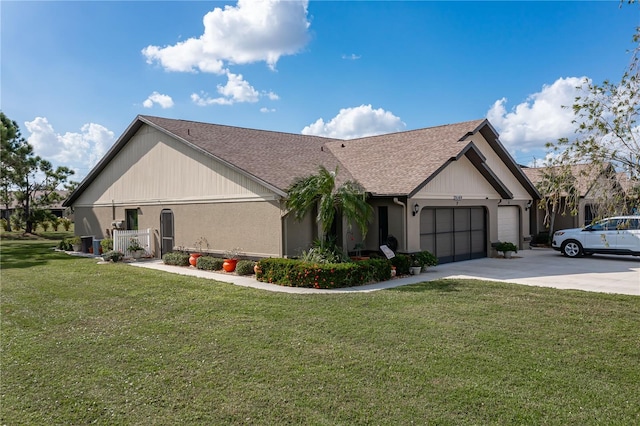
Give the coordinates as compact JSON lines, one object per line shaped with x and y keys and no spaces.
{"x":74,"y":75}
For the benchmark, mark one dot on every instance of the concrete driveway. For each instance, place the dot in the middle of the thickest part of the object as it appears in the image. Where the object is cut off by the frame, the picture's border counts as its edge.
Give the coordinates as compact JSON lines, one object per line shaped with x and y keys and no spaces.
{"x":536,"y":267}
{"x":548,"y":268}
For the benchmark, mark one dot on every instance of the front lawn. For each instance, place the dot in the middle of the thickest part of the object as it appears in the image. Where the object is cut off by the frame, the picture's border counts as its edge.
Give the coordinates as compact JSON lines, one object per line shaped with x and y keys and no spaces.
{"x":111,"y":344}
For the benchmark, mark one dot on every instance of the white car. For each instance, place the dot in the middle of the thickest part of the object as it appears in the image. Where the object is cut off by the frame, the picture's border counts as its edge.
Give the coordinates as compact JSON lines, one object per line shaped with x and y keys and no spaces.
{"x":614,"y":235}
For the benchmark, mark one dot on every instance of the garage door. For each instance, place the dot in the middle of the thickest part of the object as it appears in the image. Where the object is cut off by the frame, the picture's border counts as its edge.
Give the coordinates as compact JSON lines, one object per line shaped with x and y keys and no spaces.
{"x":454,"y":234}
{"x":509,"y":224}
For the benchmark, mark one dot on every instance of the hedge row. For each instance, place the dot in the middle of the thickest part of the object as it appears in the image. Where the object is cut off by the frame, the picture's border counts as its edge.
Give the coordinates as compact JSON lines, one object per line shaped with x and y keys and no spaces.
{"x":296,"y":273}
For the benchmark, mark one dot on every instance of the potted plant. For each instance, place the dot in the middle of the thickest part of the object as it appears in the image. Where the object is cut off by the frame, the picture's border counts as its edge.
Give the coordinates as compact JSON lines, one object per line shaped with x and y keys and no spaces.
{"x":426,"y":259}
{"x":76,"y":243}
{"x":507,"y":249}
{"x":201,"y":242}
{"x":231,"y":259}
{"x":135,"y":248}
{"x":416,"y":267}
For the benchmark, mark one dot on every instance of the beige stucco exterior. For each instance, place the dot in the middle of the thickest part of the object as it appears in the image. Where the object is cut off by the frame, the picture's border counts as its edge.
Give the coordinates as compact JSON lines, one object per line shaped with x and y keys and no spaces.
{"x":208,"y":199}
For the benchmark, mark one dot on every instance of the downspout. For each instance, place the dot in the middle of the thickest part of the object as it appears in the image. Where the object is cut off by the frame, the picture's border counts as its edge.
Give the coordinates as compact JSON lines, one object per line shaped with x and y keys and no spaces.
{"x":404,"y":220}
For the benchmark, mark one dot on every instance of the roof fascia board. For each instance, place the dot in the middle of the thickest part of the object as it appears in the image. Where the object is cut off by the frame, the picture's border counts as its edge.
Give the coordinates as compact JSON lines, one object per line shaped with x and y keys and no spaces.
{"x":479,"y":161}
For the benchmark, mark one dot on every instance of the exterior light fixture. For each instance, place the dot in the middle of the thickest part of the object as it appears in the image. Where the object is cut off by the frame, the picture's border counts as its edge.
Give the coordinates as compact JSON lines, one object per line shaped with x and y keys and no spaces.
{"x":416,"y":209}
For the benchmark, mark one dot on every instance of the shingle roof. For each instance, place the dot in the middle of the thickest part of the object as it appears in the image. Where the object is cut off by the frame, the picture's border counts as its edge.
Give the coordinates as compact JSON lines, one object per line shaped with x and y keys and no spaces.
{"x":398,"y":163}
{"x":391,"y":164}
{"x":273,"y":157}
{"x":585,"y":175}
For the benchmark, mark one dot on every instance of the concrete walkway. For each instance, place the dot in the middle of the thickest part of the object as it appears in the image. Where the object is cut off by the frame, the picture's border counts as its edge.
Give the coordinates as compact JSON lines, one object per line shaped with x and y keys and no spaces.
{"x":536,"y":267}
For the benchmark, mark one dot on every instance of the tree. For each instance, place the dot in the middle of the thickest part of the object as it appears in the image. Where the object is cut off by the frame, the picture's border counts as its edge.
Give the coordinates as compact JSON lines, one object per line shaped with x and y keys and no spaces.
{"x":560,"y":193}
{"x":320,"y":189}
{"x":26,"y":178}
{"x":607,"y":128}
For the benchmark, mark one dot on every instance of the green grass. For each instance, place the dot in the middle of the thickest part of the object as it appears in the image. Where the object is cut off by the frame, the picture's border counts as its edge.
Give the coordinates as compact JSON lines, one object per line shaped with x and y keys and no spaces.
{"x":112,"y":344}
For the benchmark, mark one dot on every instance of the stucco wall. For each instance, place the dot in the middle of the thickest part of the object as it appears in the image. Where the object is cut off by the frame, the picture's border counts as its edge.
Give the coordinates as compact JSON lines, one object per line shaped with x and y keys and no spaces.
{"x":255,"y":227}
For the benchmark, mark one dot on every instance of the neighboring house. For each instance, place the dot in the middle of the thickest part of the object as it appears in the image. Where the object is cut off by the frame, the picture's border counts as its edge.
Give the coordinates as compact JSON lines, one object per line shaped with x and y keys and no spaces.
{"x":451,"y":189}
{"x":594,"y":186}
{"x":57,"y":208}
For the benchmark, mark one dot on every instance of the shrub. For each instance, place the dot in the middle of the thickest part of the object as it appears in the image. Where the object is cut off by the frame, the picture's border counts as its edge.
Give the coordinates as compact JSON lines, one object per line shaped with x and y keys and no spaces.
{"x":66,"y":223}
{"x":113,"y":256}
{"x":245,"y":267}
{"x":65,"y":245}
{"x":55,"y":223}
{"x":506,"y":246}
{"x":425,"y":258}
{"x":297,"y":273}
{"x":5,"y":224}
{"x":45,"y":226}
{"x":209,"y":263}
{"x":402,"y":262}
{"x":324,"y":252}
{"x":106,"y":244}
{"x":75,"y":240}
{"x":176,"y":258}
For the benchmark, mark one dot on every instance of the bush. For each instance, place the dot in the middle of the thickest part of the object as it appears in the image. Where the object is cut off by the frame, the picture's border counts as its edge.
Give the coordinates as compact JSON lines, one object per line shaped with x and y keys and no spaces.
{"x":113,"y":256}
{"x":65,"y":245}
{"x":106,"y":244}
{"x":66,"y":223}
{"x":75,"y":240}
{"x":245,"y":267}
{"x":176,"y":258}
{"x":55,"y":223}
{"x":209,"y":263}
{"x":425,"y":258}
{"x":402,"y":262}
{"x":506,"y":246}
{"x":297,"y":273}
{"x":5,"y":224}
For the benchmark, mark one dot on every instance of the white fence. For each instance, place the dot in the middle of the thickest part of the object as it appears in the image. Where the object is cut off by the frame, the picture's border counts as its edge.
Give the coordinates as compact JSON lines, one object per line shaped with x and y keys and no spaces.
{"x":122,"y":240}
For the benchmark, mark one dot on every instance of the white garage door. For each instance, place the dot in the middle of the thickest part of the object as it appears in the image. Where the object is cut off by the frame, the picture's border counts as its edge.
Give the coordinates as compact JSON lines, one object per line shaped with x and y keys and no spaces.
{"x":509,"y":224}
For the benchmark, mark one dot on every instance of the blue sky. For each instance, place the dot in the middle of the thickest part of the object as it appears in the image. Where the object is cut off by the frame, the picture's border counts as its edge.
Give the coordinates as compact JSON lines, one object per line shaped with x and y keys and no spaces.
{"x":75,"y":74}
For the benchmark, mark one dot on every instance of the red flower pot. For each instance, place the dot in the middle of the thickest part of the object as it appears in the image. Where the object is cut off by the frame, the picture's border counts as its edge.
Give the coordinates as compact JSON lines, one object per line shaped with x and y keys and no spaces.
{"x":229,"y":265}
{"x":193,"y":260}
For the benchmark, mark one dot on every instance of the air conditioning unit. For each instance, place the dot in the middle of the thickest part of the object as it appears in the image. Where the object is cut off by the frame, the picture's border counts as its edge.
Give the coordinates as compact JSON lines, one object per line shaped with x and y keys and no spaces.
{"x":117,"y":224}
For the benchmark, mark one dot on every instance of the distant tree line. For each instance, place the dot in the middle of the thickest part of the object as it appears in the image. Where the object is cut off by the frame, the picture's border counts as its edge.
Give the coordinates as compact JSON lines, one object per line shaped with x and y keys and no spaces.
{"x":28,"y":183}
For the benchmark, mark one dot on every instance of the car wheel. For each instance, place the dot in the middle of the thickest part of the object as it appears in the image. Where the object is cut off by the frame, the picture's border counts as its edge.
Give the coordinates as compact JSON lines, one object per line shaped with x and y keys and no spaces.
{"x":571,"y":248}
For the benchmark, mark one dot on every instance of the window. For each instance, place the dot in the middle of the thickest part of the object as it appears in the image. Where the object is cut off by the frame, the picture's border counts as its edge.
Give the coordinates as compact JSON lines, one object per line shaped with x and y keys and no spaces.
{"x":132,"y":219}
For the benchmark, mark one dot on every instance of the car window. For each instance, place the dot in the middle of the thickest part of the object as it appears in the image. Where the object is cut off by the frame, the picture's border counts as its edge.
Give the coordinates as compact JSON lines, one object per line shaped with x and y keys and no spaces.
{"x":600,"y":226}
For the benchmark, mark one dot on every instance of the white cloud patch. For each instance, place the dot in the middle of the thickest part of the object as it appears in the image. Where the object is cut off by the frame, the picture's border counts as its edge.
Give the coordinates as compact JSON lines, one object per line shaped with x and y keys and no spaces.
{"x":252,"y":31}
{"x":541,"y":118}
{"x":164,"y":101}
{"x":351,"y":123}
{"x":266,"y":110}
{"x":78,"y":151}
{"x":352,"y":57}
{"x":237,"y":90}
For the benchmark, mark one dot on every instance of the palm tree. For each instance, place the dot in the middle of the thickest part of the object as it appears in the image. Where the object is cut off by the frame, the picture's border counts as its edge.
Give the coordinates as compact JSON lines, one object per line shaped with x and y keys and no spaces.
{"x":320,"y":189}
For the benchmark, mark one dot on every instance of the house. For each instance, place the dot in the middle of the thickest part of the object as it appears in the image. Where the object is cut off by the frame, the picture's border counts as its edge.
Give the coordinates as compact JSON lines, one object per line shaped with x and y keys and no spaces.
{"x":453,"y":189}
{"x":596,"y":187}
{"x":56,"y":208}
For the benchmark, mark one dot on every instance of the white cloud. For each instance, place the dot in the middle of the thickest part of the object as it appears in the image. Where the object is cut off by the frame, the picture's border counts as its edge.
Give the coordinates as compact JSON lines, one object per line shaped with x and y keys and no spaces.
{"x":78,"y":151}
{"x":356,"y":122}
{"x":237,"y":90}
{"x":541,"y":118}
{"x":164,"y":101}
{"x":267,"y":110}
{"x":352,"y":57}
{"x":252,"y":31}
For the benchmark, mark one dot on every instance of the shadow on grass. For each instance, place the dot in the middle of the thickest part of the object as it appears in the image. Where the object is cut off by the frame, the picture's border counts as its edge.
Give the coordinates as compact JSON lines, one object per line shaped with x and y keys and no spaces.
{"x":439,"y":285}
{"x":27,"y":253}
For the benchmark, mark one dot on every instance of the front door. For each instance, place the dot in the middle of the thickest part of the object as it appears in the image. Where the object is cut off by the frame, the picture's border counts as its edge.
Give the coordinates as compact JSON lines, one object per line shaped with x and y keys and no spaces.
{"x":166,"y":232}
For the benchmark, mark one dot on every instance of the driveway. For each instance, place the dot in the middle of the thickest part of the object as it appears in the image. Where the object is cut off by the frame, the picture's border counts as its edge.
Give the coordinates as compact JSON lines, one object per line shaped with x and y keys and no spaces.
{"x":535,"y":267}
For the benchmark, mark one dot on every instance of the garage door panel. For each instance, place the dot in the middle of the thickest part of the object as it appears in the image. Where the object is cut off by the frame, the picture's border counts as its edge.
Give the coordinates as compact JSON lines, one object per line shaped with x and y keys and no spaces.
{"x":454,"y":234}
{"x":509,"y":224}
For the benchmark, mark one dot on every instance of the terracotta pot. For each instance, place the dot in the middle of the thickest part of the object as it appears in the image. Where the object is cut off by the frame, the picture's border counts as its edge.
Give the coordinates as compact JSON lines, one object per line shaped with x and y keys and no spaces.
{"x":193,"y":260}
{"x":256,"y":269}
{"x":229,"y":265}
